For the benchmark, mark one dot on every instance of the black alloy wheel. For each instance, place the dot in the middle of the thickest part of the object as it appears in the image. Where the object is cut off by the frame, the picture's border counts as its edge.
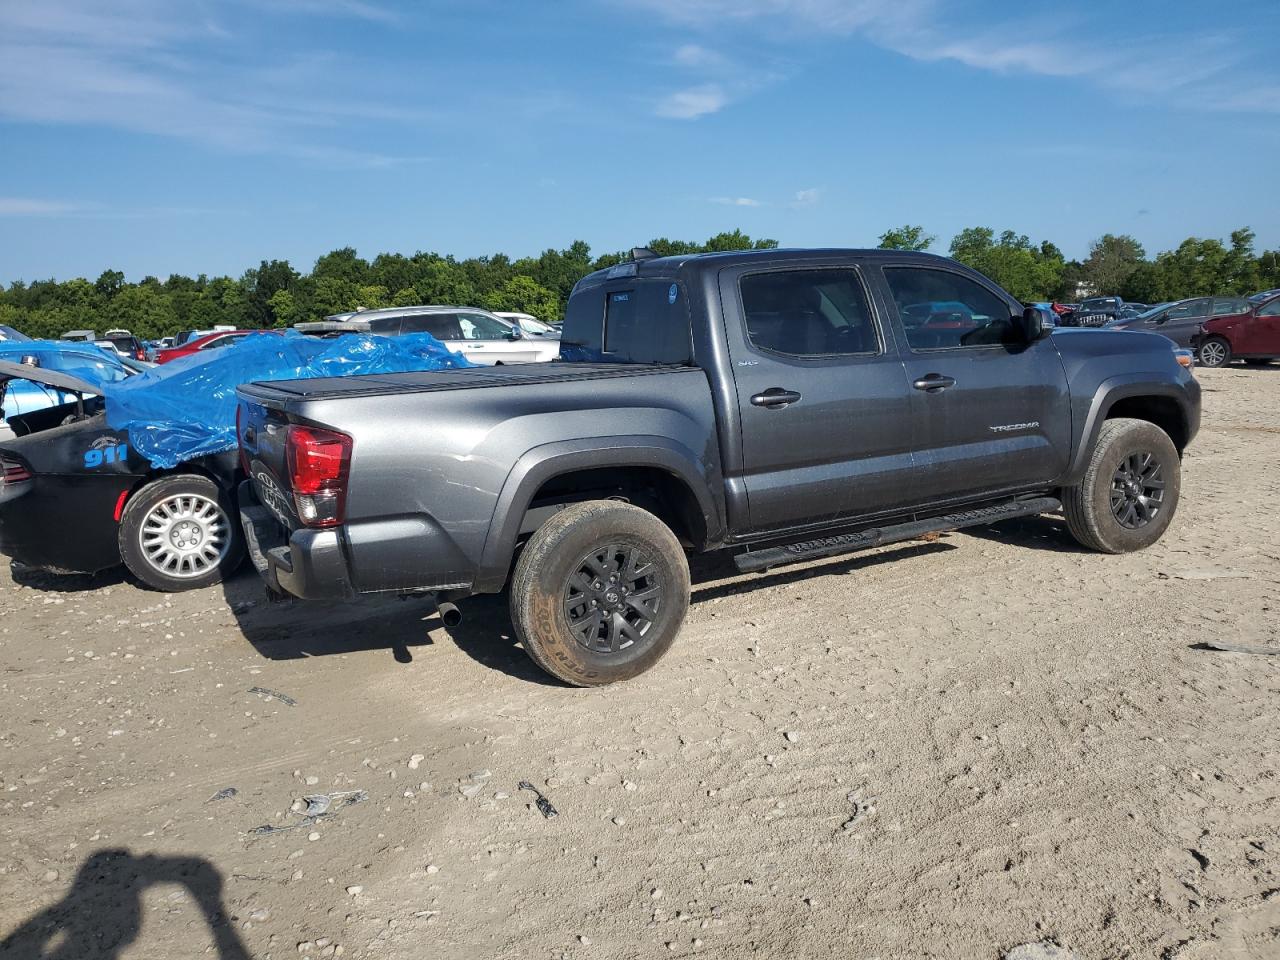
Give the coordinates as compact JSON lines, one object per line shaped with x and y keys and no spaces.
{"x":1137,"y":490}
{"x":612,"y":598}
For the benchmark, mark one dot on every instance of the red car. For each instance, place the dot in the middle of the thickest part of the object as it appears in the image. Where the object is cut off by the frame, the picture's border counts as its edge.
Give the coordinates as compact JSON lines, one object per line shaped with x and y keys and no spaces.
{"x":210,"y":341}
{"x":1253,"y":337}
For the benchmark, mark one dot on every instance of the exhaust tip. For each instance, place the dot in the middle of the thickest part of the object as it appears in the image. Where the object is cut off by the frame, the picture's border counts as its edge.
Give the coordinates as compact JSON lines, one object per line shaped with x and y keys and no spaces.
{"x":450,"y":615}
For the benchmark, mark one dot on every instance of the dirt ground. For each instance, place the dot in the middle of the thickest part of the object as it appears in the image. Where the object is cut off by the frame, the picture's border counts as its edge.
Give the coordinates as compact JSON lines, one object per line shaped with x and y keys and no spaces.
{"x":942,"y":749}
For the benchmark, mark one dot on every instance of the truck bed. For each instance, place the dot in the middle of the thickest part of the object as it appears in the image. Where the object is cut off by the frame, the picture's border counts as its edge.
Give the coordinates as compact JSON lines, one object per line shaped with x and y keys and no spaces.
{"x":276,"y":393}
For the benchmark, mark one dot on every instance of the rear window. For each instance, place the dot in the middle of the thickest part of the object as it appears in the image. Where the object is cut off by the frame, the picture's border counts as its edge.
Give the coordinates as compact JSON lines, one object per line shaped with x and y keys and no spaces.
{"x":628,"y":321}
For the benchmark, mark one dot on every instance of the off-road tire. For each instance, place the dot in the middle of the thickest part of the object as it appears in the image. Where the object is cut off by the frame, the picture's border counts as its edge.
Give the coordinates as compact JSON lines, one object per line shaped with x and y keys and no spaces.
{"x":1219,"y":353}
{"x":141,"y":505}
{"x":1088,"y":506}
{"x":552,"y":557}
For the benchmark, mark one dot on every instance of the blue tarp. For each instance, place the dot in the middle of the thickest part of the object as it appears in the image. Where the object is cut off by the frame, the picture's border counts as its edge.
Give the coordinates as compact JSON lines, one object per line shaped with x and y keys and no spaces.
{"x":83,"y":361}
{"x":187,"y":408}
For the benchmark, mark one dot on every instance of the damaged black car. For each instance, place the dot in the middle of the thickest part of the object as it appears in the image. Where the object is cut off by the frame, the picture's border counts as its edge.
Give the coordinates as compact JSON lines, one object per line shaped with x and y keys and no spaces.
{"x":76,"y":498}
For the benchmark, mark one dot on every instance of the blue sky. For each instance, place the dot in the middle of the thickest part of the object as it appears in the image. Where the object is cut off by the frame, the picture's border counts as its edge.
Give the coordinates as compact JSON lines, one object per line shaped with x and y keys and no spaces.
{"x":188,"y":136}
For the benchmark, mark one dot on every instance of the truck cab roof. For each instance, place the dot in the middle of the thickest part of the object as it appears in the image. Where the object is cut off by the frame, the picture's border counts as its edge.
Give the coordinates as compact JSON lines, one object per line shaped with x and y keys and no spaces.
{"x":662,"y":268}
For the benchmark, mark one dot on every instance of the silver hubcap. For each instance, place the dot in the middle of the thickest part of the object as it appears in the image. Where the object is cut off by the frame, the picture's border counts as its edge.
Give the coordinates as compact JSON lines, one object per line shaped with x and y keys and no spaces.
{"x":185,"y":536}
{"x":1212,"y":354}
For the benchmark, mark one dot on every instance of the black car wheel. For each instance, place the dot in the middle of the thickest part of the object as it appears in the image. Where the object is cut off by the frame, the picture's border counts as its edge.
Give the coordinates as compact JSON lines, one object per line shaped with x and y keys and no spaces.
{"x":179,"y":533}
{"x":600,"y":592}
{"x":1215,"y":352}
{"x":1130,"y":488}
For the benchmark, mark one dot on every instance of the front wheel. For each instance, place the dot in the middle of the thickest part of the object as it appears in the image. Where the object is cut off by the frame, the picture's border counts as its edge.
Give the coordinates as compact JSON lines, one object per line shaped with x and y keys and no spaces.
{"x":1215,"y":352}
{"x":179,"y":533}
{"x":1129,"y":492}
{"x":599,"y":593}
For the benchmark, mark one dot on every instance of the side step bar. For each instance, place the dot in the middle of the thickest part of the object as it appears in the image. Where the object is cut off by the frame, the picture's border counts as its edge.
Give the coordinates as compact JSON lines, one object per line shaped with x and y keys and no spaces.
{"x":754,"y":561}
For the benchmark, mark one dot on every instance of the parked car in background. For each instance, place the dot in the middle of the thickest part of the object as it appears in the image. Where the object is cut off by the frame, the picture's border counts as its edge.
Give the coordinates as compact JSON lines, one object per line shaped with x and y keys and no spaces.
{"x":1264,"y":295}
{"x":529,"y":325}
{"x":126,"y":344}
{"x":477,"y":334}
{"x":82,"y":335}
{"x":8,"y":333}
{"x":1095,"y":312}
{"x":185,"y":336}
{"x":209,"y":341}
{"x":1181,"y":321}
{"x":1253,"y":337}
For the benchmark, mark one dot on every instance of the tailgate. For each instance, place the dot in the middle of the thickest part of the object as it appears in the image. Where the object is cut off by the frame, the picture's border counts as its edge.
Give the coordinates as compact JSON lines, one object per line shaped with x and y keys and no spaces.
{"x":262,"y":433}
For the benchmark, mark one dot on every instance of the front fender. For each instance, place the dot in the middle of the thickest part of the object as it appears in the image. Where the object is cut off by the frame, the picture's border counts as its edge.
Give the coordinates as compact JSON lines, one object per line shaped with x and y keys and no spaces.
{"x":1114,"y":389}
{"x":540,"y":464}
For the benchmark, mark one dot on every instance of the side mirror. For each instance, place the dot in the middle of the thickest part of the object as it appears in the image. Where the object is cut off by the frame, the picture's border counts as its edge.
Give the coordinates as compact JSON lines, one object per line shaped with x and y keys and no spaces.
{"x":515,"y":334}
{"x":1031,"y":323}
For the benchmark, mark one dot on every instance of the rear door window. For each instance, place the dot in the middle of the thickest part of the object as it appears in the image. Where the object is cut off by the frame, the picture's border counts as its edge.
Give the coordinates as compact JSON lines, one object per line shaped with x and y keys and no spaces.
{"x":442,"y":326}
{"x":808,"y":313}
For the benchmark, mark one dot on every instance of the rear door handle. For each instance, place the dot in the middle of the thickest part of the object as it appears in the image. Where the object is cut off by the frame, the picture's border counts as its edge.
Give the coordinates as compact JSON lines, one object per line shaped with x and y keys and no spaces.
{"x":774,"y":398}
{"x":934,"y":383}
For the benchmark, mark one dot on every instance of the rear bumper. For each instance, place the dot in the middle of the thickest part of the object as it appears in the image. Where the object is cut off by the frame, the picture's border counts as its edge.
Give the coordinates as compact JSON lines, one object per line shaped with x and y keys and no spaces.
{"x":309,"y":564}
{"x":377,"y":556}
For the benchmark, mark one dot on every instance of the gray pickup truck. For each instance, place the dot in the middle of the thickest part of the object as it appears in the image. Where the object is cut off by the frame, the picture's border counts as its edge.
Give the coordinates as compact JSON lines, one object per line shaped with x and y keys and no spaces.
{"x":785,"y":405}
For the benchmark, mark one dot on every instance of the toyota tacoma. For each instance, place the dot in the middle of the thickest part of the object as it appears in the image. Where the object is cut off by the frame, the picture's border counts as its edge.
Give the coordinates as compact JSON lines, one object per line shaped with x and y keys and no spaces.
{"x":784,"y":405}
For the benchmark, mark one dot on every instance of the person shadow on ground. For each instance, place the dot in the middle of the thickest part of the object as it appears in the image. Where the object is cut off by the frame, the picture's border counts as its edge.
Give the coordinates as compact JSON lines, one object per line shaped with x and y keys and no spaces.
{"x":101,"y":915}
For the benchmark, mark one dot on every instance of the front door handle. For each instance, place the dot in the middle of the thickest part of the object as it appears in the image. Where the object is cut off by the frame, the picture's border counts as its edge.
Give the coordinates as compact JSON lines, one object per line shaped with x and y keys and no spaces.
{"x":774,"y":398}
{"x":934,"y":383}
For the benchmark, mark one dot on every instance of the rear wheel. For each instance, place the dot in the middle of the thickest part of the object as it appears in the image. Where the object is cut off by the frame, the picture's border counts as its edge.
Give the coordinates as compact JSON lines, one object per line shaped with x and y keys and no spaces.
{"x":600,"y":593}
{"x":1129,"y":492}
{"x":1215,"y":352}
{"x":179,"y":533}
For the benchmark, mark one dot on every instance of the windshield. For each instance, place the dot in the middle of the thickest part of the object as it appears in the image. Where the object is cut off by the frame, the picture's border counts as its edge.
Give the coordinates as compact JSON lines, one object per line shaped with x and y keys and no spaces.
{"x":87,"y":363}
{"x":10,"y":334}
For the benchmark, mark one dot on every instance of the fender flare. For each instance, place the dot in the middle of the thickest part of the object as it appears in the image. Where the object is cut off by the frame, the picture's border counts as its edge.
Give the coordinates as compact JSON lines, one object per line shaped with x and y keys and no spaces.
{"x":1107,"y":394}
{"x":542,"y":463}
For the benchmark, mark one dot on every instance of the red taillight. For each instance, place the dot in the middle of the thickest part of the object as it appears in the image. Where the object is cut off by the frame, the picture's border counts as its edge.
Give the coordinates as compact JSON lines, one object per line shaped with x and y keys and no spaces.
{"x":14,"y":472}
{"x":319,"y":461}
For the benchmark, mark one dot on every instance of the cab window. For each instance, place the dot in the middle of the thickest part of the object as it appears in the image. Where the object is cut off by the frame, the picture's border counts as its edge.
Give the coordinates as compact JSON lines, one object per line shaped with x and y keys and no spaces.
{"x":941,"y":310}
{"x":808,"y":313}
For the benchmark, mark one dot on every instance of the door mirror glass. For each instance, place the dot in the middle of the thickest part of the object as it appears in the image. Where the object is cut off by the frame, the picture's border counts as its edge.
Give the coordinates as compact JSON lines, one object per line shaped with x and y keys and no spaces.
{"x":1032,"y":324}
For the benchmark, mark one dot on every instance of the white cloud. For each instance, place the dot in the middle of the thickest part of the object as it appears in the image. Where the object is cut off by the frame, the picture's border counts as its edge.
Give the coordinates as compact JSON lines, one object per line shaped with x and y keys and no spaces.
{"x":693,"y":103}
{"x":806,"y":198}
{"x":29,"y":207}
{"x":151,"y":66}
{"x":1200,"y":69}
{"x":698,"y":57}
{"x":737,"y":201}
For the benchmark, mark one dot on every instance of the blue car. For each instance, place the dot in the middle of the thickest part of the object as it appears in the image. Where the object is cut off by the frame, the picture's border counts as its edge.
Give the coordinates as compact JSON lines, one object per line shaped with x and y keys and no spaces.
{"x":83,"y":361}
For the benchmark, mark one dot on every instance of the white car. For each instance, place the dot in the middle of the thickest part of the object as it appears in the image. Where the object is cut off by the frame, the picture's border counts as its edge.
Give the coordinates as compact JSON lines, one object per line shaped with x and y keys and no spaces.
{"x":477,"y":334}
{"x":530,"y":325}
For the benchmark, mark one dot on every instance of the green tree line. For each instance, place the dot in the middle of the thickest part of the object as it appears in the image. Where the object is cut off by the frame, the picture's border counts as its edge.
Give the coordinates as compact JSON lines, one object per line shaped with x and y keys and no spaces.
{"x":1117,"y":265}
{"x":275,"y":294}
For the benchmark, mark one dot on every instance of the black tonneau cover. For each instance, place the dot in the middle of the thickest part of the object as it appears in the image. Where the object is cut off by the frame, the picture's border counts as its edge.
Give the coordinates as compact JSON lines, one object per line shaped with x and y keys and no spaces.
{"x":325,"y":388}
